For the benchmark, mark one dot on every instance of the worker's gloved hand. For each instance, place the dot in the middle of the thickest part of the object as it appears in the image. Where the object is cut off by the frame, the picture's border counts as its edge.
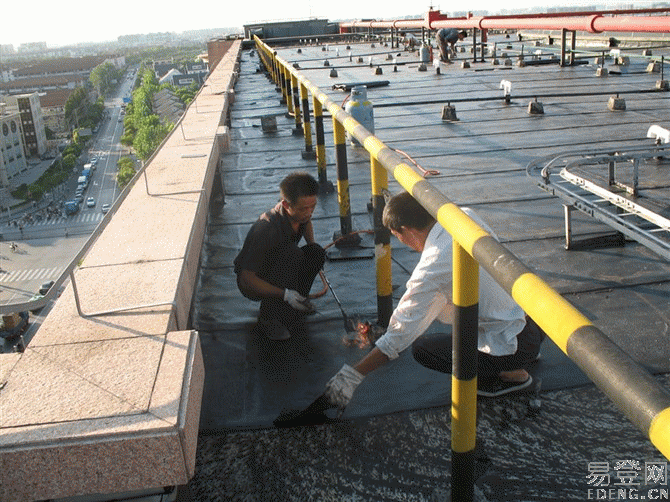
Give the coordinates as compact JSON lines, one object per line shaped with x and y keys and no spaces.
{"x":341,"y":387}
{"x":297,"y":301}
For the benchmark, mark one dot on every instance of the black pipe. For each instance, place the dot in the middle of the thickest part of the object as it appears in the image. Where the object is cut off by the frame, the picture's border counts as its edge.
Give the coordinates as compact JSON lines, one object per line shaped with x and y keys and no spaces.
{"x":520,"y":96}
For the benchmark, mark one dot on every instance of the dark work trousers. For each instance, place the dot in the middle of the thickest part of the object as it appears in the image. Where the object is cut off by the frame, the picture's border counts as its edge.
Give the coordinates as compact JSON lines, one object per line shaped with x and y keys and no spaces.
{"x":434,"y":351}
{"x":294,"y":268}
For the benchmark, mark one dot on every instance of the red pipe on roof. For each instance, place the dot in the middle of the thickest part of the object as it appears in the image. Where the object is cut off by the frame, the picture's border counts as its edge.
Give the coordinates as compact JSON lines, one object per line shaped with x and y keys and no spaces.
{"x":593,"y":22}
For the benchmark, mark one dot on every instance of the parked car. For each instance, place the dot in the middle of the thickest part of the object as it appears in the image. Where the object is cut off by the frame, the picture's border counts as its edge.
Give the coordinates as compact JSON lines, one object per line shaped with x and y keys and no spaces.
{"x":105,"y":208}
{"x":44,"y":288}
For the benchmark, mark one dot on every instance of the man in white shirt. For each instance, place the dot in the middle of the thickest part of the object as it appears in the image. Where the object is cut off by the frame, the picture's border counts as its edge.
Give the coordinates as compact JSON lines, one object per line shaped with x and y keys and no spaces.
{"x":508,"y":341}
{"x":409,"y":40}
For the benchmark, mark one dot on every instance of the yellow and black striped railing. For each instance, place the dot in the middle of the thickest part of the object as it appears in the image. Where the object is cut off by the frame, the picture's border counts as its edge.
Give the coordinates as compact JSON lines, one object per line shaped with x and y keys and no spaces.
{"x":634,"y":391}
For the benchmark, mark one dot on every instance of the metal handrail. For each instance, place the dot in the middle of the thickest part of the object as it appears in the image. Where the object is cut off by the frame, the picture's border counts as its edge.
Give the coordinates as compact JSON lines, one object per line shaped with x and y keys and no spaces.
{"x":630,"y":387}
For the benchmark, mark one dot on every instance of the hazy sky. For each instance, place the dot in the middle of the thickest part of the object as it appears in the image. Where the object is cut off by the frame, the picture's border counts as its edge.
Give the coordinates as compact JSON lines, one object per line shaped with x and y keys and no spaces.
{"x":61,"y":23}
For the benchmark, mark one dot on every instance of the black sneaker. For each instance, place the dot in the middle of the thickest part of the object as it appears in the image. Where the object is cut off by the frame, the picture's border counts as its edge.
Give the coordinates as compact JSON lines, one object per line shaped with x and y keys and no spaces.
{"x":497,"y":387}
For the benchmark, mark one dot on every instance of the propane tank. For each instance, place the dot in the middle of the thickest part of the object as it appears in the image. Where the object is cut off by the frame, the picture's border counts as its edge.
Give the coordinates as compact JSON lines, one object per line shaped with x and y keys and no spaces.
{"x":360,"y":108}
{"x":424,"y":54}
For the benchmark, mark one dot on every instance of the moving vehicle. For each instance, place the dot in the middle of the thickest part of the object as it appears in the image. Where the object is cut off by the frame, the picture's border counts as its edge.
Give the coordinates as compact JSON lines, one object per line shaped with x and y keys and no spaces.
{"x":71,"y":207}
{"x":90,"y":202}
{"x":105,"y":208}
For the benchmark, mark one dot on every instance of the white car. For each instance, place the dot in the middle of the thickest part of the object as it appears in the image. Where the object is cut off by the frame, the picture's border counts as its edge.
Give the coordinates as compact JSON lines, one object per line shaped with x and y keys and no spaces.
{"x":90,"y":202}
{"x":105,"y":208}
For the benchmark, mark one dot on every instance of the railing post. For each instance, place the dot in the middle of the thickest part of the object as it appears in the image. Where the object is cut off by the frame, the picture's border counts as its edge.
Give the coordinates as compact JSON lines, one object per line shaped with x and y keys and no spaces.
{"x":275,"y":72}
{"x":464,"y":374}
{"x":289,"y":90}
{"x":564,"y":41}
{"x":379,"y":178}
{"x":325,"y":186}
{"x":296,"y":106}
{"x":281,"y":81}
{"x":308,"y":153}
{"x":342,"y":184}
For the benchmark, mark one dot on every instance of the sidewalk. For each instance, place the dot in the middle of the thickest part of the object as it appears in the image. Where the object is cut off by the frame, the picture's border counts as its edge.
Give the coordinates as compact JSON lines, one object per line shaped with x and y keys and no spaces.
{"x":18,"y":207}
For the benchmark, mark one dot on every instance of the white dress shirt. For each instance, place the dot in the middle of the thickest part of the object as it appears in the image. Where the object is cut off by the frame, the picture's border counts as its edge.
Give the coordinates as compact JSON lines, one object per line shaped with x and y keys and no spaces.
{"x":428,"y":297}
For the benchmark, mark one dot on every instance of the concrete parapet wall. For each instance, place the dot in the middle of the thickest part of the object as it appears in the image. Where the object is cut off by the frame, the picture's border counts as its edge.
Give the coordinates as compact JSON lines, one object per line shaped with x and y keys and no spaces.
{"x":110,"y":402}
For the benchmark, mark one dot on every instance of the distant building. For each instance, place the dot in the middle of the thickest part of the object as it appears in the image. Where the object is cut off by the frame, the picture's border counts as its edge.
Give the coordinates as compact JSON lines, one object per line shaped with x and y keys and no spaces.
{"x":7,"y":50}
{"x":167,"y":106}
{"x":53,"y":111}
{"x":32,"y":122}
{"x":279,"y":29}
{"x":32,"y":47}
{"x":12,"y":151}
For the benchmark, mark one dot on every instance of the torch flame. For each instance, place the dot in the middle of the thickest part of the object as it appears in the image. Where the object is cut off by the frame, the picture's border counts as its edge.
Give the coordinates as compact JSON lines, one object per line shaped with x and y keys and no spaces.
{"x":362,"y":337}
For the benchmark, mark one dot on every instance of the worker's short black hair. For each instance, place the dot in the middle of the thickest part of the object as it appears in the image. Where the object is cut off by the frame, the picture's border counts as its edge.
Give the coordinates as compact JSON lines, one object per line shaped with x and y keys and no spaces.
{"x":403,"y":210}
{"x":464,"y":33}
{"x":297,"y":185}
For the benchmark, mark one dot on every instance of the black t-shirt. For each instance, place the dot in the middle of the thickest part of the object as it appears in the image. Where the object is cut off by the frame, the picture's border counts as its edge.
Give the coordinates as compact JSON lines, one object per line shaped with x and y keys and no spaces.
{"x":270,"y":232}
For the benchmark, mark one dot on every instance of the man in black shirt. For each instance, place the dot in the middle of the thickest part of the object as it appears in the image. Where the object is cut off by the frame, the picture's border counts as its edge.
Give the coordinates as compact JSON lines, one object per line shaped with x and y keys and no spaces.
{"x":446,"y":39}
{"x":272,"y":268}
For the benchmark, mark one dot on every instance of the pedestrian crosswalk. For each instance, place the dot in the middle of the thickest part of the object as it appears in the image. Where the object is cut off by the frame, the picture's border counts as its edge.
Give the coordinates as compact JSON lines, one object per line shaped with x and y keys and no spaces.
{"x":82,"y":217}
{"x":31,"y":274}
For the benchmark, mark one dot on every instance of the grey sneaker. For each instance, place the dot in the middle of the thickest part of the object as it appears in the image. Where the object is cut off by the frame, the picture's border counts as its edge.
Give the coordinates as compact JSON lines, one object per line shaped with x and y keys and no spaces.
{"x":273,"y":329}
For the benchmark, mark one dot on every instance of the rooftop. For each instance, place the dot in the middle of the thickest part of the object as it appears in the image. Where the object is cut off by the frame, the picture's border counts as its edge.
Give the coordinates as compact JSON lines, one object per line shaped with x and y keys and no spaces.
{"x":393,"y":441}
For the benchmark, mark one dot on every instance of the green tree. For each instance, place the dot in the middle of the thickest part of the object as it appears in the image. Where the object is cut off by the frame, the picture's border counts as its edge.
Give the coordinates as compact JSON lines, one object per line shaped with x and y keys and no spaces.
{"x":69,"y":162}
{"x":150,"y":134}
{"x":76,"y":107}
{"x":103,"y":76}
{"x":126,"y":171}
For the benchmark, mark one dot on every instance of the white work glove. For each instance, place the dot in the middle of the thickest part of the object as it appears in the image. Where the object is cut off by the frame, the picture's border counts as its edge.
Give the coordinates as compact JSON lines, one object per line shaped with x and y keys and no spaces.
{"x":341,"y":387}
{"x":297,"y":301}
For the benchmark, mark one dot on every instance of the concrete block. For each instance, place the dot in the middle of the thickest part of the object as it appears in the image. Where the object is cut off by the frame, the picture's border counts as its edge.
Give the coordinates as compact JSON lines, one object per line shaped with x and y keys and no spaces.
{"x":535,"y":108}
{"x":662,"y":85}
{"x":465,"y":64}
{"x":449,"y":113}
{"x":602,"y":72}
{"x":422,"y":67}
{"x":654,"y":67}
{"x":616,"y":104}
{"x":269,"y":123}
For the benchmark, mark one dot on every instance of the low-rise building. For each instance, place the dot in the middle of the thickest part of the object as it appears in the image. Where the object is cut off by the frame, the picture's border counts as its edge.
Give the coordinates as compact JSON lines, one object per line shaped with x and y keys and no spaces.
{"x":12,"y":151}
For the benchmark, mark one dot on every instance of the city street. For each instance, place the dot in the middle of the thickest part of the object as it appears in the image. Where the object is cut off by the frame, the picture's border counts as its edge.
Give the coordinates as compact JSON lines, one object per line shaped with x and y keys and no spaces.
{"x":45,"y":244}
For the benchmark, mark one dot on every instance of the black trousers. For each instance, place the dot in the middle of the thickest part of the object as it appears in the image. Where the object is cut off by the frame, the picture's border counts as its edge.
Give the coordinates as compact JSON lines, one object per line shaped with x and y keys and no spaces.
{"x":294,"y":268}
{"x":434,"y":351}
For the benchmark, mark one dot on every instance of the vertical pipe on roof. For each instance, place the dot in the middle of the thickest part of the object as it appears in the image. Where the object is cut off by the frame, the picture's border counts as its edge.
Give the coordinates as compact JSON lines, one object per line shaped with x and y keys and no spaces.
{"x":379,"y":179}
{"x":306,"y":123}
{"x":324,"y":186}
{"x":340,"y":139}
{"x":464,"y":374}
{"x":296,"y":105}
